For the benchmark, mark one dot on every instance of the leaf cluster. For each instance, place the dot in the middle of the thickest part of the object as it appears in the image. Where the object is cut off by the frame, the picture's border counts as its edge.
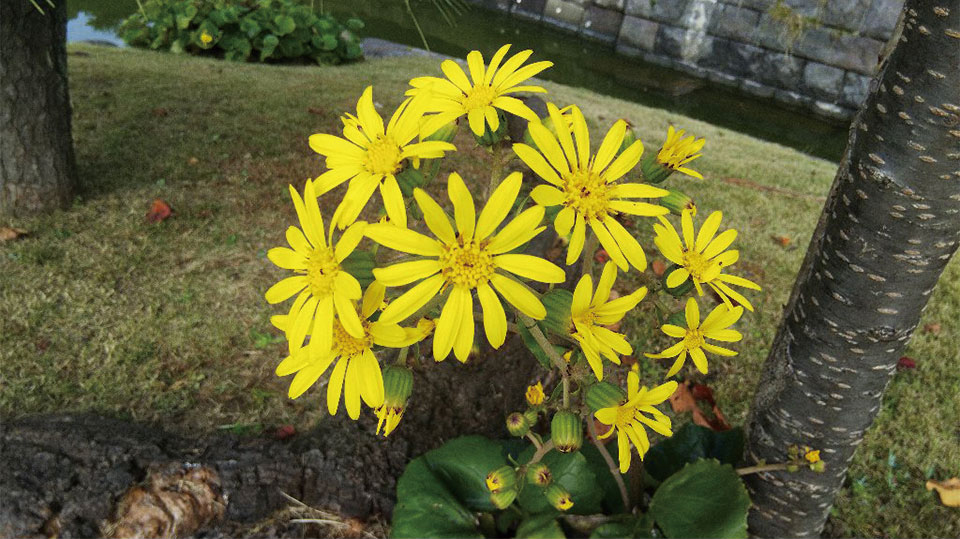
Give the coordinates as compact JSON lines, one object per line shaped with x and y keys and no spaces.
{"x":244,"y":30}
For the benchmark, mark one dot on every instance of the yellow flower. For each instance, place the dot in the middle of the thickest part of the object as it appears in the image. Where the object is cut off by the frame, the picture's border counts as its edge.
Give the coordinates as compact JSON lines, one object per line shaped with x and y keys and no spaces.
{"x":371,"y":157}
{"x":535,"y":394}
{"x":585,"y":185}
{"x":323,"y":287}
{"x":812,"y":456}
{"x":356,"y":370}
{"x":205,"y":38}
{"x":628,"y":418}
{"x":455,"y":95}
{"x":693,"y":336}
{"x":703,"y":258}
{"x":590,"y":315}
{"x":678,"y":150}
{"x":465,"y":260}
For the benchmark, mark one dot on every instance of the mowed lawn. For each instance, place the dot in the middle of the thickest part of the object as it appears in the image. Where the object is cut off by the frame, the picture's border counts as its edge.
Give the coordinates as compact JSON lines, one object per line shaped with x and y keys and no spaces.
{"x":102,"y":311}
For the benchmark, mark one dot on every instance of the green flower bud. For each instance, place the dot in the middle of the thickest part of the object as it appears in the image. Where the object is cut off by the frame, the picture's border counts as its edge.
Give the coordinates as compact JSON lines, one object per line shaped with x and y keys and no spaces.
{"x":818,"y":466}
{"x":445,"y":133}
{"x":503,"y":478}
{"x":503,"y":499}
{"x":653,"y":171}
{"x":489,"y":138}
{"x":397,"y":387}
{"x":539,"y":474}
{"x":566,"y":430}
{"x":517,"y":424}
{"x":678,"y":319}
{"x":684,"y":287}
{"x":547,"y":122}
{"x":532,"y":416}
{"x":792,"y":468}
{"x":629,"y":137}
{"x":409,"y":179}
{"x":604,"y":395}
{"x":559,"y":497}
{"x":677,"y":202}
{"x":557,"y":303}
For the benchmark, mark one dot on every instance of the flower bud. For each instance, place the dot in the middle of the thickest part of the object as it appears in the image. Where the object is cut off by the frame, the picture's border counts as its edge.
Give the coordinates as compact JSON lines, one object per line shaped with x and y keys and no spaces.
{"x":539,"y":474}
{"x":653,"y":171}
{"x":679,"y":290}
{"x":517,"y":424}
{"x":503,"y":499}
{"x":792,"y":468}
{"x":503,"y":478}
{"x":535,"y":394}
{"x":566,"y":430}
{"x":531,"y":416}
{"x":604,"y":395}
{"x":559,"y":497}
{"x":489,"y":137}
{"x":812,"y":456}
{"x":677,"y":202}
{"x":629,"y":137}
{"x":557,"y":304}
{"x":445,"y":133}
{"x":397,"y":387}
{"x":818,"y":466}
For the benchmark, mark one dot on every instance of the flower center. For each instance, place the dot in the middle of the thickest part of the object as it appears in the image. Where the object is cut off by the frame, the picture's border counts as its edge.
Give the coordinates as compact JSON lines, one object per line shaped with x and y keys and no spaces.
{"x":693,"y":339}
{"x":468,"y":264}
{"x":587,"y":193}
{"x":696,"y":264}
{"x":348,"y":345}
{"x":383,"y":156}
{"x":478,"y":97}
{"x":322,"y":269}
{"x":625,"y":415}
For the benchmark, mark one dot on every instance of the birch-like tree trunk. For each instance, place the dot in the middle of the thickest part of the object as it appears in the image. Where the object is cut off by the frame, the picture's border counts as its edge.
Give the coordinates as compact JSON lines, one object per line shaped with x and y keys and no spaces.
{"x":37,"y":165}
{"x":888,"y":229}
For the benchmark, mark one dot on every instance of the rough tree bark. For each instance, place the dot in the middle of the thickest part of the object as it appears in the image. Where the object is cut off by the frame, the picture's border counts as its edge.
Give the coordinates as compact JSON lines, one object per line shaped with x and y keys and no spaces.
{"x":37,"y":165}
{"x":888,"y":229}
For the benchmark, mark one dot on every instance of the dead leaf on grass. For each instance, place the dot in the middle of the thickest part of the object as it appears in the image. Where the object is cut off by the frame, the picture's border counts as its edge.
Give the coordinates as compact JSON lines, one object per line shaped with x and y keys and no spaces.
{"x":684,"y":400}
{"x":193,"y":161}
{"x":659,"y":268}
{"x":948,"y":490}
{"x":9,"y":233}
{"x":783,"y":241}
{"x":159,"y":112}
{"x":933,"y":327}
{"x":906,"y":363}
{"x":159,"y":211}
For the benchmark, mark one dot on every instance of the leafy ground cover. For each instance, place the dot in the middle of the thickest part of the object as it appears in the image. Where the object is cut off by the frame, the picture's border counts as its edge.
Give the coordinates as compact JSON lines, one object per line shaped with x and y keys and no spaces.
{"x":102,"y":310}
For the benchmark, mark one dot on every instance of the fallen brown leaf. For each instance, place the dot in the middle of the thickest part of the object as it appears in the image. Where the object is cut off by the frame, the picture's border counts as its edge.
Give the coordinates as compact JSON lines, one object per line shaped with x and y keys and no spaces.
{"x":8,"y":233}
{"x":684,"y":400}
{"x":659,"y":268}
{"x":159,"y":112}
{"x":601,"y":256}
{"x":284,"y":432}
{"x":906,"y":363}
{"x":159,"y":211}
{"x":783,"y":241}
{"x":948,"y":490}
{"x":193,"y":161}
{"x":933,"y":327}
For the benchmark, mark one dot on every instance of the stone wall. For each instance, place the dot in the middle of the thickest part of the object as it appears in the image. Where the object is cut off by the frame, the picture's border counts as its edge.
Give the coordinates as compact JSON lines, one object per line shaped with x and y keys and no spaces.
{"x":816,"y":54}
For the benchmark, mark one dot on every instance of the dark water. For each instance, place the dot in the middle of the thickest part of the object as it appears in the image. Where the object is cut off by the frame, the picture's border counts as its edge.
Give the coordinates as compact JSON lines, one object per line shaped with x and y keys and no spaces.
{"x":577,"y":62}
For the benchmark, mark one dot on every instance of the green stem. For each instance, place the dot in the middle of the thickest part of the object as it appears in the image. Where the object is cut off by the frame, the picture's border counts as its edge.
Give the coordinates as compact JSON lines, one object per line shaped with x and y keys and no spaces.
{"x":589,"y":252}
{"x":416,"y":23}
{"x":762,"y":468}
{"x":614,"y":469}
{"x":496,"y":169}
{"x":541,"y":451}
{"x":402,"y":356}
{"x":533,"y":439}
{"x":547,"y":347}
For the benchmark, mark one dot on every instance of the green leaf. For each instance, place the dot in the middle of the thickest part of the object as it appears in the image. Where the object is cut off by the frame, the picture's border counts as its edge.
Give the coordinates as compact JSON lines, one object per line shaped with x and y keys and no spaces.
{"x":627,"y":526}
{"x":285,"y":24}
{"x":612,"y":501}
{"x":249,"y":26}
{"x":270,"y":43}
{"x":426,"y":508}
{"x":690,"y":443}
{"x":535,"y":349}
{"x":704,"y":499}
{"x":354,"y":24}
{"x":329,"y":42}
{"x":360,"y":265}
{"x":462,"y":464}
{"x":573,"y":473}
{"x":541,"y":526}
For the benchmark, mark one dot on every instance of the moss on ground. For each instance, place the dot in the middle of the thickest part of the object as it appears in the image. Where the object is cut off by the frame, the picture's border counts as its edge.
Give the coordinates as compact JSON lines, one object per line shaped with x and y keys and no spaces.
{"x":104,"y":312}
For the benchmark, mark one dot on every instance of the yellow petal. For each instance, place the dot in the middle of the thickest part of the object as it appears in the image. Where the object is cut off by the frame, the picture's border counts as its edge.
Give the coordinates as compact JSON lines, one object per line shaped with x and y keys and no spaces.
{"x":285,"y":289}
{"x":411,"y":300}
{"x":581,"y":136}
{"x":476,"y":121}
{"x":610,"y":245}
{"x":519,"y":296}
{"x":495,"y":63}
{"x":436,"y":219}
{"x":348,"y":315}
{"x":721,"y":242}
{"x":351,"y":389}
{"x":286,"y":258}
{"x":537,"y":163}
{"x":699,"y":360}
{"x":563,"y":136}
{"x":627,"y":243}
{"x":302,"y":321}
{"x":517,"y":232}
{"x":305,"y":378}
{"x":577,"y":239}
{"x":406,"y":272}
{"x":692,"y":313}
{"x":549,"y":147}
{"x":370,"y":120}
{"x":611,"y":144}
{"x":623,"y":163}
{"x":456,"y":75}
{"x":547,"y":195}
{"x":530,"y":267}
{"x":498,"y":206}
{"x":677,"y":277}
{"x":686,"y":225}
{"x":564,"y":221}
{"x":349,"y":240}
{"x":335,"y":384}
{"x":464,"y":341}
{"x":475,"y":65}
{"x":494,"y":318}
{"x":708,"y":230}
{"x":402,"y":239}
{"x":605,"y":284}
{"x":372,"y":298}
{"x":371,"y":379}
{"x":623,"y":447}
{"x":448,"y":325}
{"x":581,"y":295}
{"x":464,"y":211}
{"x":393,"y":201}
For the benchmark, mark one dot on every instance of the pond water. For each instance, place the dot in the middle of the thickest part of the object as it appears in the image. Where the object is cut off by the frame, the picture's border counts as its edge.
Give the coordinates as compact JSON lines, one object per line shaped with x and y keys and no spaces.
{"x":577,"y":62}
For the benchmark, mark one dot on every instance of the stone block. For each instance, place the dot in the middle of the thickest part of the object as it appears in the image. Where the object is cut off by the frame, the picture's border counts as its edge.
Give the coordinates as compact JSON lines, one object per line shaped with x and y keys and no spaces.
{"x":734,"y":22}
{"x":616,"y":5}
{"x":757,"y":89}
{"x":563,"y":14}
{"x":856,"y":53}
{"x":806,"y":8}
{"x":638,"y":33}
{"x":682,"y":44}
{"x":733,"y":57}
{"x":846,"y":14}
{"x":531,"y":9}
{"x":823,"y":81}
{"x":669,"y":11}
{"x":792,"y":98}
{"x":771,"y":34}
{"x":780,"y":70}
{"x":720,"y":77}
{"x":856,"y":87}
{"x":601,"y":24}
{"x":832,"y":110}
{"x":759,"y":5}
{"x":881,"y":19}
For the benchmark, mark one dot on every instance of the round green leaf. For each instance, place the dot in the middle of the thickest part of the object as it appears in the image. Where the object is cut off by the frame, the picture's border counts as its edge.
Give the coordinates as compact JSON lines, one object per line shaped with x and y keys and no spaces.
{"x":285,"y":24}
{"x":426,"y":508}
{"x":463,"y":464}
{"x":704,"y":499}
{"x":690,"y":443}
{"x":542,"y":526}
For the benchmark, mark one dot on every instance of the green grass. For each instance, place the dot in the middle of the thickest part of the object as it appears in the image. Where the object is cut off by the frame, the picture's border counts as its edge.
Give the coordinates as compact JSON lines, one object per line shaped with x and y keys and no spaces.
{"x":102,"y":311}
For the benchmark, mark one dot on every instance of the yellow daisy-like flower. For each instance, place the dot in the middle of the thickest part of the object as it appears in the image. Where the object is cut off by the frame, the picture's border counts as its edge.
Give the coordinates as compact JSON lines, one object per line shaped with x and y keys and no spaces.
{"x":472,"y":257}
{"x":590,"y":315}
{"x":478,"y":99}
{"x":586,"y":185}
{"x":356,"y":371}
{"x":678,"y":150}
{"x":693,"y":337}
{"x":628,"y":419}
{"x":535,"y":394}
{"x":371,"y":157}
{"x":206,"y":38}
{"x":322,"y":287}
{"x":703,"y":258}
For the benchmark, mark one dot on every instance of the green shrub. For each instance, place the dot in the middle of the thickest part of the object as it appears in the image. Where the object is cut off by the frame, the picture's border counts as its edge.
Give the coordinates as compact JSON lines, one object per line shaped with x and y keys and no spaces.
{"x":243,"y":30}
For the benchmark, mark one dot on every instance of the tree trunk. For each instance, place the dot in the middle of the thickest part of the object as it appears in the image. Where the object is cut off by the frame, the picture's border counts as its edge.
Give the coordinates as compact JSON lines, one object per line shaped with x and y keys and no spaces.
{"x":37,"y":165}
{"x":888,"y":229}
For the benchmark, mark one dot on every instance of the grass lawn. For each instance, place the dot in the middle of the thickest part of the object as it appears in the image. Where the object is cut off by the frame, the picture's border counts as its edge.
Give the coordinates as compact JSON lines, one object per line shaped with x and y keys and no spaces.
{"x":102,"y":311}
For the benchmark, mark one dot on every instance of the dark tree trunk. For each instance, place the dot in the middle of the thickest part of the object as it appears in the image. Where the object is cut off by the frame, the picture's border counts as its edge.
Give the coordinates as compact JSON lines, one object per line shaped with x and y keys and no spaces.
{"x":37,"y":166}
{"x":887,"y":231}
